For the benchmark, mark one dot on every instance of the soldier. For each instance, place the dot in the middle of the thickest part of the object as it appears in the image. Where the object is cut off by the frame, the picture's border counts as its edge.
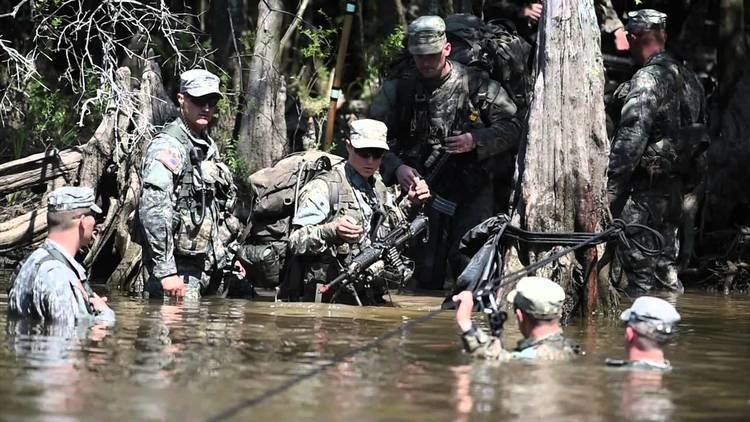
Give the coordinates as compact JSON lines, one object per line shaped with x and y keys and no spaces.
{"x":537,"y":304}
{"x":188,"y":195}
{"x":650,"y":324}
{"x":654,"y":148}
{"x":50,"y":285}
{"x":452,"y":111}
{"x":334,"y":218}
{"x":525,"y":15}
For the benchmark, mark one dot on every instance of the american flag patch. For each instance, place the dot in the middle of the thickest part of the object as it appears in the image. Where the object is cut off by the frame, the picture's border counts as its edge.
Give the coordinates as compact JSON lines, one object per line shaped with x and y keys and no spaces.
{"x":170,"y":160}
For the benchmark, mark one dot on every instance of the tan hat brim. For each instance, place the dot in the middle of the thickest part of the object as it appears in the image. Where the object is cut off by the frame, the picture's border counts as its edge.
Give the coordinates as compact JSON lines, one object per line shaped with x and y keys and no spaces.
{"x":200,"y":92}
{"x":360,"y":142}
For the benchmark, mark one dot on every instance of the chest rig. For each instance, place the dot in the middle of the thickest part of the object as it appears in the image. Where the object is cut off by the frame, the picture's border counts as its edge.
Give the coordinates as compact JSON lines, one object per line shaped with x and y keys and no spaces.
{"x":193,"y":218}
{"x":428,"y":117}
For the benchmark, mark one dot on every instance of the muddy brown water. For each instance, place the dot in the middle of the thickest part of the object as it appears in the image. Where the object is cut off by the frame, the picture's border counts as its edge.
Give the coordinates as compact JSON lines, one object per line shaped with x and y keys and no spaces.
{"x":213,"y":358}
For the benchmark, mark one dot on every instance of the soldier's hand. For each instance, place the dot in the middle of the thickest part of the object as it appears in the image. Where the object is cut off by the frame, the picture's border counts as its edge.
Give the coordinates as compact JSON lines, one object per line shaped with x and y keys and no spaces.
{"x":465,"y":304}
{"x":99,"y":303}
{"x":240,"y":269}
{"x":460,"y":144}
{"x":407,"y":176}
{"x":621,"y":40}
{"x":173,"y":286}
{"x":533,"y":12}
{"x":347,"y":229}
{"x":419,"y":192}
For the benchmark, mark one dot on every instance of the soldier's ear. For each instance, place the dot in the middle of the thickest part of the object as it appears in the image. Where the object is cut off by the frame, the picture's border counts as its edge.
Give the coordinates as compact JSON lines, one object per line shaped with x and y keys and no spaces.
{"x":630,"y":334}
{"x":447,"y":48}
{"x":180,"y":98}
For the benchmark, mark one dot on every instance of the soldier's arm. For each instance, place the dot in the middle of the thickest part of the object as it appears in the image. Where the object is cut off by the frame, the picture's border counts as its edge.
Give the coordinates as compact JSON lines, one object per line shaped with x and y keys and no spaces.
{"x":480,"y":345}
{"x":383,"y":108}
{"x":312,"y":235}
{"x":636,"y":123}
{"x":163,"y":164}
{"x":609,"y":22}
{"x":502,"y":130}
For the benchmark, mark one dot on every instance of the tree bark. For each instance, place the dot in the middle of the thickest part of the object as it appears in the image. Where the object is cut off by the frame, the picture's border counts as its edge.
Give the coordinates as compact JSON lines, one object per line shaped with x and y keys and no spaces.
{"x":564,"y":160}
{"x":262,"y":138}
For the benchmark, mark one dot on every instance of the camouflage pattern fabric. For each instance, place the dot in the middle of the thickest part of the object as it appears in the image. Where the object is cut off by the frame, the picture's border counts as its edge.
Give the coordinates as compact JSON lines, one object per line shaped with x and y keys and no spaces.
{"x":419,"y":120}
{"x":314,"y":237}
{"x":167,"y":225}
{"x":634,"y":365}
{"x":512,"y":9}
{"x":554,"y":347}
{"x":46,"y":288}
{"x":645,"y":183}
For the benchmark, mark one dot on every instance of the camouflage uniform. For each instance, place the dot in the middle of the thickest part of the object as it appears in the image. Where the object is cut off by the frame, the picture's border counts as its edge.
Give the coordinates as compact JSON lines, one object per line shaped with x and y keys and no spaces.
{"x":541,"y":299}
{"x":512,"y":9}
{"x":646,"y":178}
{"x":334,"y":194}
{"x":50,"y":285}
{"x":420,"y":114}
{"x":340,"y":192}
{"x":639,"y":365}
{"x":179,"y":168}
{"x":552,"y":347}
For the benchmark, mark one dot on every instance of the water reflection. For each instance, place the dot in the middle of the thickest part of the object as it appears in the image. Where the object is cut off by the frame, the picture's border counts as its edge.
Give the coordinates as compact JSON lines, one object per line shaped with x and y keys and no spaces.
{"x":54,"y":356}
{"x":190,"y":361}
{"x":643,"y":397}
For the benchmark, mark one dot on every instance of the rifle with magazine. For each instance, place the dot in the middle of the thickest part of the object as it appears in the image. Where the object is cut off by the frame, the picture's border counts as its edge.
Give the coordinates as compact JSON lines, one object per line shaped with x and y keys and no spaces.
{"x":386,"y":249}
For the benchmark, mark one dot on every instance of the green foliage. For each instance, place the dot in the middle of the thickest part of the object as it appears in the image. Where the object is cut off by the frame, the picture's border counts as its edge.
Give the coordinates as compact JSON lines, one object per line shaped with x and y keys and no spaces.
{"x":234,"y":160}
{"x":392,"y":46}
{"x":50,"y":116}
{"x":320,"y":41}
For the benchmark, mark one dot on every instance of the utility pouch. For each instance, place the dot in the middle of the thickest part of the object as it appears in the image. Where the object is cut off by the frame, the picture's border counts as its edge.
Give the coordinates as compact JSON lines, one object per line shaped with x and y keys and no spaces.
{"x":192,"y":239}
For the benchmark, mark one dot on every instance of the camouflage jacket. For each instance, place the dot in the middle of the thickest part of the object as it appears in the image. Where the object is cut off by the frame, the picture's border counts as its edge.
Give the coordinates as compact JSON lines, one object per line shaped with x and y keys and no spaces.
{"x":49,"y":289}
{"x":420,"y":113}
{"x":317,"y":209}
{"x":512,"y":9}
{"x":552,"y":347}
{"x":171,"y":187}
{"x":661,"y":100}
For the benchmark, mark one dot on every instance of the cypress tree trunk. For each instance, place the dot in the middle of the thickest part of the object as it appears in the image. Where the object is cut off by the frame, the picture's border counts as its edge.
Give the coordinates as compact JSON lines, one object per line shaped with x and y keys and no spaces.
{"x":262,"y":137}
{"x":564,"y":160}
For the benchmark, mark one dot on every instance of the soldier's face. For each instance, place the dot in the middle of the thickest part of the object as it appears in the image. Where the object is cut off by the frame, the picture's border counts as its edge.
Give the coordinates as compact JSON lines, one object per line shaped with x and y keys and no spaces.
{"x":197,"y":112}
{"x":431,"y":66}
{"x":365,"y":161}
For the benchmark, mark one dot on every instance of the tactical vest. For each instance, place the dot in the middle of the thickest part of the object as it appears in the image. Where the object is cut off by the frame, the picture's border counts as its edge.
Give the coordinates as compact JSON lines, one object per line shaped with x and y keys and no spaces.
{"x":325,"y":267}
{"x":421,"y":136}
{"x":196,"y":218}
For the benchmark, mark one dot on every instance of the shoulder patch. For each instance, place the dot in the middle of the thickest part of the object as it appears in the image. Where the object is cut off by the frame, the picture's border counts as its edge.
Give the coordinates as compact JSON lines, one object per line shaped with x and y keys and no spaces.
{"x":171,"y":160}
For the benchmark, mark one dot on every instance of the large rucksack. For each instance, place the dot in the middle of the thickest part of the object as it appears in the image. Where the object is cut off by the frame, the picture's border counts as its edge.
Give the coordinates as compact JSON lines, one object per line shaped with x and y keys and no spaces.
{"x":275,"y":190}
{"x":494,"y":48}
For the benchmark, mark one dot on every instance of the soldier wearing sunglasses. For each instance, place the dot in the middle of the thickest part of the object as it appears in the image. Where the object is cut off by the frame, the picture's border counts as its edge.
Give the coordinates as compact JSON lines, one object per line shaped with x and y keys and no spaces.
{"x":188,"y":195}
{"x":335,"y":214}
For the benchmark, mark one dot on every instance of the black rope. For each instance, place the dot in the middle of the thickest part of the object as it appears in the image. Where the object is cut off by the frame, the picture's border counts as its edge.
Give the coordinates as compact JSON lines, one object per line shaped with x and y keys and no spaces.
{"x":233,"y":411}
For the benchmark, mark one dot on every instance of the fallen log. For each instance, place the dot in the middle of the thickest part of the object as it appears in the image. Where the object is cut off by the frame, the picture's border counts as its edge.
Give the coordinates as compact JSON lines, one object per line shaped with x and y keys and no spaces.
{"x":39,"y":168}
{"x":23,"y":230}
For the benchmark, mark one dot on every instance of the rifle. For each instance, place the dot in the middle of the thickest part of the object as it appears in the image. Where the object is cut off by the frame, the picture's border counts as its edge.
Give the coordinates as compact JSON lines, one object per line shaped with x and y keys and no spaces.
{"x":368,"y":256}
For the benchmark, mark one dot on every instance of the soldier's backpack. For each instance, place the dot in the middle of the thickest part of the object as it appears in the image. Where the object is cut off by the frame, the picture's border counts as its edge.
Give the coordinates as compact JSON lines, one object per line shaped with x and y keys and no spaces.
{"x":494,"y":48}
{"x":275,"y":190}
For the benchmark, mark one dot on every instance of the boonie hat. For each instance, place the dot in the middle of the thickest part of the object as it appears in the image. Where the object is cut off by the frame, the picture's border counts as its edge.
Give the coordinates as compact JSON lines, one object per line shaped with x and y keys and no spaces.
{"x":646,"y":20}
{"x":368,"y":133}
{"x":539,"y":297}
{"x":651,"y":315}
{"x":199,"y":82}
{"x":69,"y":198}
{"x":427,"y":35}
